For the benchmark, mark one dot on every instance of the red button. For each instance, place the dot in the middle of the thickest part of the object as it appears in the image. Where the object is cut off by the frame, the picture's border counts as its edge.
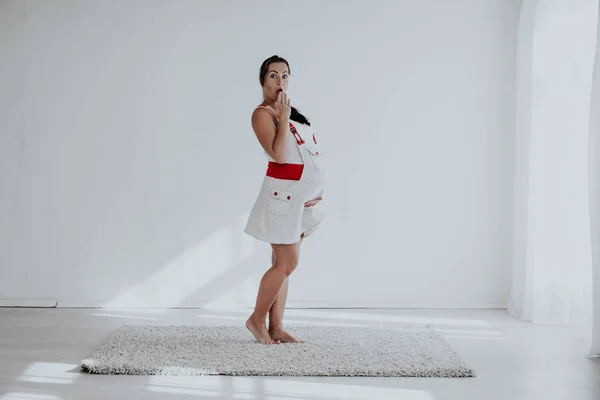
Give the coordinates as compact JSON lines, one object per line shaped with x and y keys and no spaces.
{"x":289,"y":197}
{"x":275,"y":193}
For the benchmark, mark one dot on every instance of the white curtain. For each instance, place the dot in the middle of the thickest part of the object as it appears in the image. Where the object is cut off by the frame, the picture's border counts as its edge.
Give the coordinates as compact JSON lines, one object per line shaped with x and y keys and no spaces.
{"x":594,"y":163}
{"x":556,"y":266}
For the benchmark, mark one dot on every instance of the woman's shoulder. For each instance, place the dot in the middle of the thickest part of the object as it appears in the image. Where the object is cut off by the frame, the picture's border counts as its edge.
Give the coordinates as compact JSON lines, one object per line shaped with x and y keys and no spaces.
{"x":260,"y":109}
{"x":262,"y":117}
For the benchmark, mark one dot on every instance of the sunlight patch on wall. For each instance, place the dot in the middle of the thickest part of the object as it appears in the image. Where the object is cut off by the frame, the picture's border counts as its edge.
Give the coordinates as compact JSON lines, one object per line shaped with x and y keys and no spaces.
{"x":192,"y":270}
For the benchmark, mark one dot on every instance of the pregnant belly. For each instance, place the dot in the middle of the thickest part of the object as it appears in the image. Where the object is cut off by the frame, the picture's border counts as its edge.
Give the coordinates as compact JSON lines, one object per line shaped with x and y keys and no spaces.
{"x":314,"y":192}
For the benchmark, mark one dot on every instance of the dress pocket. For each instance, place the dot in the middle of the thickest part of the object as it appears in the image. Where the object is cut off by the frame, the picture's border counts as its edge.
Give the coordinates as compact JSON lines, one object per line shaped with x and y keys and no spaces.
{"x":315,"y":154}
{"x":280,"y":201}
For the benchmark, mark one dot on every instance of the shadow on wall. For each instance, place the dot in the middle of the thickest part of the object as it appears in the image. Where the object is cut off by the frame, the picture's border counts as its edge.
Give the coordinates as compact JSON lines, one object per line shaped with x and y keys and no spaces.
{"x":202,"y":275}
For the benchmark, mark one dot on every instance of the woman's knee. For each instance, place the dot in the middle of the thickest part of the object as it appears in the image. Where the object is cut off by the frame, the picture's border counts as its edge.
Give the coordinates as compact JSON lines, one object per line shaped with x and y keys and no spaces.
{"x":286,"y":257}
{"x":287,"y":265}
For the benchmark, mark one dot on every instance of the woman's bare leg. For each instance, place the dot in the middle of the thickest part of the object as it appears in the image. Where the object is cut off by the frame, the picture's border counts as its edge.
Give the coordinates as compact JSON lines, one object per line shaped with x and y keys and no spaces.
{"x":277,"y":309}
{"x":286,"y":260}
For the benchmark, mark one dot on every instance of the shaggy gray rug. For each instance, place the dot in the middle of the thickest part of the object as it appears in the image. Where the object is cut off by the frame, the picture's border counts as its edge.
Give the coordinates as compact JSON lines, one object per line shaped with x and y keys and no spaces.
{"x":227,"y":350}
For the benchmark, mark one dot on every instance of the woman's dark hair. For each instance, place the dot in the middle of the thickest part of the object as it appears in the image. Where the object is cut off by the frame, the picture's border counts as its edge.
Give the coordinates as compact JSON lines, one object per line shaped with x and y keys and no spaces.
{"x":295,"y":115}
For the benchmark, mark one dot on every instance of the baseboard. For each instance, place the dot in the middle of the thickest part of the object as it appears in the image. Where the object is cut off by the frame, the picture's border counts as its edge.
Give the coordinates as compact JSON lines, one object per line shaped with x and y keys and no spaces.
{"x":51,"y":303}
{"x":290,"y":305}
{"x":28,"y":303}
{"x":140,"y":306}
{"x":107,"y":304}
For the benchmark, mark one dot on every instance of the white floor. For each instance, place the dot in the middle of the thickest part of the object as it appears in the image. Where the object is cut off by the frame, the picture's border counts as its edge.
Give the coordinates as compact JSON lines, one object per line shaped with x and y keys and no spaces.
{"x":40,"y":350}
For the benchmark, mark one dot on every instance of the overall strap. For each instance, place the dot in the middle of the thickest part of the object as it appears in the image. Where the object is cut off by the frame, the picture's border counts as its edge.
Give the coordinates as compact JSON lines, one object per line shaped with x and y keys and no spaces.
{"x":299,"y":139}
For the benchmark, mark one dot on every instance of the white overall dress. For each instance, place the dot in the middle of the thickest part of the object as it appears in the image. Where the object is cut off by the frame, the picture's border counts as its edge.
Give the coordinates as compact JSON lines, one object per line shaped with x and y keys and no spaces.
{"x":279,"y":215}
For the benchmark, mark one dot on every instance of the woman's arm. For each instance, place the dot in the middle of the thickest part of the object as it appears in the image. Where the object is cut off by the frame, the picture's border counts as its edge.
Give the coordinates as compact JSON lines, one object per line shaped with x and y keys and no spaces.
{"x":273,"y":138}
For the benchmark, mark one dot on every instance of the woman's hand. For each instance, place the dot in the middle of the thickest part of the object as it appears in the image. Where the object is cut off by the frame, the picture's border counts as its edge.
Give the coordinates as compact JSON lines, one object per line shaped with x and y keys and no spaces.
{"x":313,"y":202}
{"x":283,"y":109}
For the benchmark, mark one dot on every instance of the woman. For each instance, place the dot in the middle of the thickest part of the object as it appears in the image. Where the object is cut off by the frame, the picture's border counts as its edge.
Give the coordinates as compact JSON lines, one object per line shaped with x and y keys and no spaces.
{"x":284,"y":212}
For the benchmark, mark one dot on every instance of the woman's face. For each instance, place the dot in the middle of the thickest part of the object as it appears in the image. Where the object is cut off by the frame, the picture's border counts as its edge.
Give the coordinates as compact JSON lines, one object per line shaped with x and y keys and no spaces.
{"x":276,"y":80}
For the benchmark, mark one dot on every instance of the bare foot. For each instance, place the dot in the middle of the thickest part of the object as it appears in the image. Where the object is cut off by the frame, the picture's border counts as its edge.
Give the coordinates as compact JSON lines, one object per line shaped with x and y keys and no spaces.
{"x":283,"y":336}
{"x":260,"y":332}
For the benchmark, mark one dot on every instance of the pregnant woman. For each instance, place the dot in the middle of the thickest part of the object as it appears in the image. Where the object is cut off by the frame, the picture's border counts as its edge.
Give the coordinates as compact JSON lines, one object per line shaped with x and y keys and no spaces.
{"x":284,"y":212}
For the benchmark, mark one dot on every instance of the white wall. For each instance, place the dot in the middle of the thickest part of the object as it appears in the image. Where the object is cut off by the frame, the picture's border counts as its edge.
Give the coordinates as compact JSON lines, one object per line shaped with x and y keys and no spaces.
{"x":129,"y":165}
